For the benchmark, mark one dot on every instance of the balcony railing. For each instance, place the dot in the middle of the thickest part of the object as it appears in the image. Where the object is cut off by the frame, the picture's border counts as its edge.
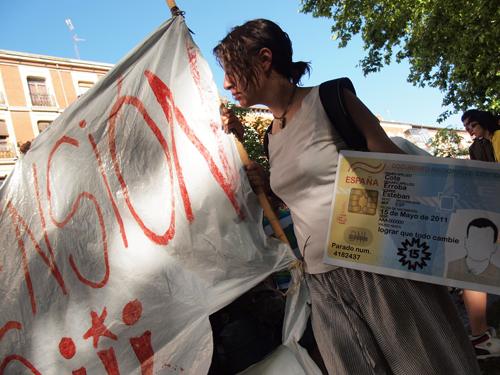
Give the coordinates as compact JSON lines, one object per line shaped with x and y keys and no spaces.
{"x":7,"y":150}
{"x":42,"y":100}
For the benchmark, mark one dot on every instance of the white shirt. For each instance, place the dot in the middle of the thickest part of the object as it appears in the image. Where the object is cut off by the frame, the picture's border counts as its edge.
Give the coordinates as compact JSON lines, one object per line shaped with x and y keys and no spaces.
{"x":303,"y":158}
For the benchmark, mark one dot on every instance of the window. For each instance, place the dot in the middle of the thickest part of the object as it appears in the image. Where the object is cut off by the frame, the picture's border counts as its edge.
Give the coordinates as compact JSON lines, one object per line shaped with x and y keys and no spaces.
{"x":7,"y":150}
{"x":3,"y":97}
{"x":42,"y":125}
{"x":83,"y":87}
{"x":39,"y":93}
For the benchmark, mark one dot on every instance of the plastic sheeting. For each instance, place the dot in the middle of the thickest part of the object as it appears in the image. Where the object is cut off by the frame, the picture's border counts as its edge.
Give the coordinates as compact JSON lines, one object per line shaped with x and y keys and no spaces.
{"x":128,"y":222}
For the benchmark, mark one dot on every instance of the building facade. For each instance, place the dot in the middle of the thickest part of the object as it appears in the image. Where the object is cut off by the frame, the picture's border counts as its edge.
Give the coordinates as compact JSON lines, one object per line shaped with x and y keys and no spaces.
{"x":420,"y":135}
{"x":34,"y":90}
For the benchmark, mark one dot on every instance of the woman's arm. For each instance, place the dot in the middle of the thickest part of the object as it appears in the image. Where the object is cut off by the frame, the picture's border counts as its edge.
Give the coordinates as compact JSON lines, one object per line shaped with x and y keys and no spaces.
{"x":376,"y":138}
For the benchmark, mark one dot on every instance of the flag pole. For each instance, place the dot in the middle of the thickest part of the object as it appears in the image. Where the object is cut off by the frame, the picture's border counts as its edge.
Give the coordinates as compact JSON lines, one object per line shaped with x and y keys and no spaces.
{"x":262,"y":197}
{"x":173,"y":8}
{"x":296,"y":267}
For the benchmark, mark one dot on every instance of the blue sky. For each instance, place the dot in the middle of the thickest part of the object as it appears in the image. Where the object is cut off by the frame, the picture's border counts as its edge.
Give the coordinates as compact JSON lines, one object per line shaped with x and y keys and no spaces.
{"x":111,"y":28}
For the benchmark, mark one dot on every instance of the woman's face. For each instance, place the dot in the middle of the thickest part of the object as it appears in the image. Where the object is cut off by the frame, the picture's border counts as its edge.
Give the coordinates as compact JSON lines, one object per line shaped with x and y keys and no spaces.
{"x":246,"y":95}
{"x":247,"y":88}
{"x":477,"y":130}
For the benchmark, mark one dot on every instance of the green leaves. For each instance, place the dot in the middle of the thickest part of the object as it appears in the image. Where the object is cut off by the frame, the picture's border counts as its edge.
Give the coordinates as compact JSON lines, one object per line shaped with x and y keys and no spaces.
{"x":255,"y":128}
{"x":452,"y":45}
{"x":254,"y":147}
{"x":446,"y":143}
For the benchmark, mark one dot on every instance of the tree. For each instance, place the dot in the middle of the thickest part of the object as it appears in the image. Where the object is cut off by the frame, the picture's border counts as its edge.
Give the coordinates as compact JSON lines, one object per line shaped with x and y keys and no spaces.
{"x":450,"y":44}
{"x":253,"y":146}
{"x":447,"y":143}
{"x":255,"y":128}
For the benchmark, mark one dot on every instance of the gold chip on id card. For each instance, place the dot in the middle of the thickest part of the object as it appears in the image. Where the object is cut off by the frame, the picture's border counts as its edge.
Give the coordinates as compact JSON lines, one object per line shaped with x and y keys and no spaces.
{"x":362,"y":201}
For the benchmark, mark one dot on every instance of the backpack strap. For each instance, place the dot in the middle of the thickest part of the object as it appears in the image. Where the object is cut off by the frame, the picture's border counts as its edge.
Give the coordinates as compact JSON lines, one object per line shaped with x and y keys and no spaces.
{"x":331,"y":94}
{"x":266,"y":140}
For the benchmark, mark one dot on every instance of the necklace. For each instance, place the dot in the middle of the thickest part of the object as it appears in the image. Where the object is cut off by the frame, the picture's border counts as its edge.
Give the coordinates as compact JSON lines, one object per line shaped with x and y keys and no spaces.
{"x":281,"y":120}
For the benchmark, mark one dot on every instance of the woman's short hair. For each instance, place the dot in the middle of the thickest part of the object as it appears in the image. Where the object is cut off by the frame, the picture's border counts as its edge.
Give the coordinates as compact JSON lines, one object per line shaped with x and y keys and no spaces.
{"x":238,"y":51}
{"x":485,"y":119}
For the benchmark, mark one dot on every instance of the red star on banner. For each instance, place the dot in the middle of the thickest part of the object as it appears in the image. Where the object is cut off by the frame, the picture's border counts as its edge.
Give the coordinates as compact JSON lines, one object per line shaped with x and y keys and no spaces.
{"x":98,"y":328}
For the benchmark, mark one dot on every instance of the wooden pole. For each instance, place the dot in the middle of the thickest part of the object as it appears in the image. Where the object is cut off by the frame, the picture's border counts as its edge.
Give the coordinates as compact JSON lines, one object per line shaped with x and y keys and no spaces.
{"x":264,"y":202}
{"x":173,"y":8}
{"x":261,"y":195}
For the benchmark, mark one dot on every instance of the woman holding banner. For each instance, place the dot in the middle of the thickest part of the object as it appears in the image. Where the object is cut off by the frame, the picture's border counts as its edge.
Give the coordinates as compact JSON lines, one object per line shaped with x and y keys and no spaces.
{"x":364,"y":323}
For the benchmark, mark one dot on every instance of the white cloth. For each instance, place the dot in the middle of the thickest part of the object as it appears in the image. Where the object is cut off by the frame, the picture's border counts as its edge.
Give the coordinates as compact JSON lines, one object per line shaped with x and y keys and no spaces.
{"x":303,"y":158}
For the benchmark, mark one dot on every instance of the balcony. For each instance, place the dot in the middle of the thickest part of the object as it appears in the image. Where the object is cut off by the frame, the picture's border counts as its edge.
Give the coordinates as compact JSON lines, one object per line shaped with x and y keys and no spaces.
{"x":7,"y":150}
{"x":42,"y":100}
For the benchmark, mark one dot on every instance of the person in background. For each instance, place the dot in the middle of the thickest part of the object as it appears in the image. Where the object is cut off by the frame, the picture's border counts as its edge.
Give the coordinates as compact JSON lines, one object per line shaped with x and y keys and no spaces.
{"x":483,"y":338}
{"x":364,"y":323}
{"x":481,"y":148}
{"x":485,"y":125}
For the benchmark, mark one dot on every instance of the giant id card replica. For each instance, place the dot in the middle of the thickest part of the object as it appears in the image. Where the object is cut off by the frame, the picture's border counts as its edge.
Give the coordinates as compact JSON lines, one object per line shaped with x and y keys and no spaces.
{"x":417,"y":217}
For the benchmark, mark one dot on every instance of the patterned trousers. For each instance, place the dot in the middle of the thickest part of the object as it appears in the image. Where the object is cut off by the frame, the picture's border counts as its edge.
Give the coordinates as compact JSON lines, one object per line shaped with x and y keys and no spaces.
{"x":365,"y":323}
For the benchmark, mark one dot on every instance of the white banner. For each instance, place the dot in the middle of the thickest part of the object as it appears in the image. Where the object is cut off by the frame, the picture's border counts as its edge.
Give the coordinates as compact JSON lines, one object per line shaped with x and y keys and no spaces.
{"x":127,"y":223}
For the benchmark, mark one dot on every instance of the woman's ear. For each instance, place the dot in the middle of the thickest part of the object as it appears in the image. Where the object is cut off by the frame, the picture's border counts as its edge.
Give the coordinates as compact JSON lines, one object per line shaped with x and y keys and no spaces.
{"x":265,"y":57}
